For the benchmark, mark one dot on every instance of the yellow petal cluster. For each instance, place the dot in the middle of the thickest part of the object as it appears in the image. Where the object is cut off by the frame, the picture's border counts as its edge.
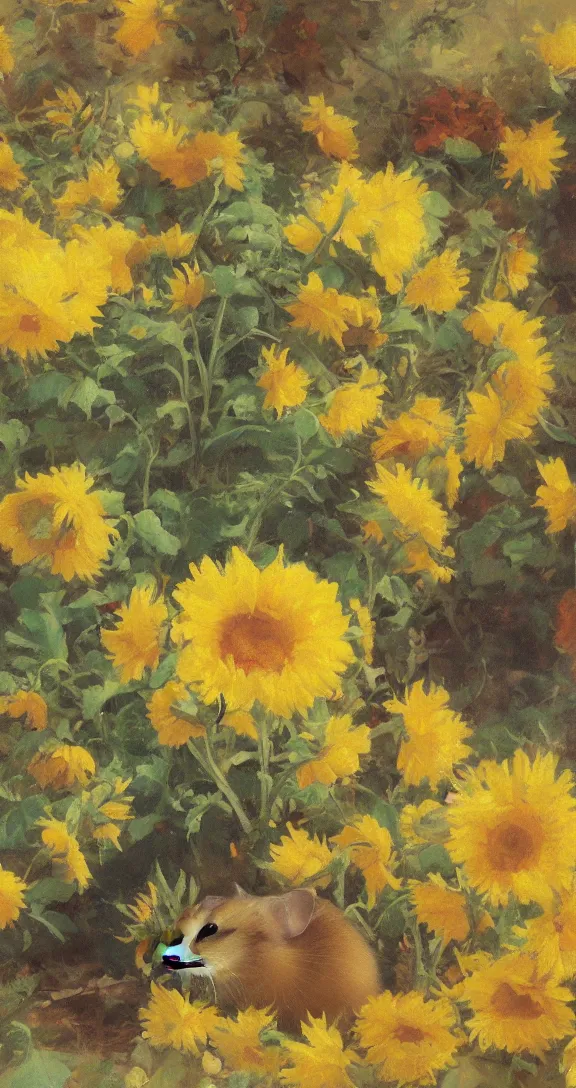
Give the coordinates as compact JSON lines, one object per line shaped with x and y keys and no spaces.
{"x":163,"y":714}
{"x":333,"y":131}
{"x":136,"y":641}
{"x":355,"y":405}
{"x":12,"y":901}
{"x":170,"y":1019}
{"x":441,"y":909}
{"x":239,"y":1043}
{"x":28,"y":704}
{"x":370,"y":847}
{"x":440,"y":285}
{"x":285,"y":383}
{"x":558,"y":48}
{"x":63,"y":767}
{"x":426,"y":426}
{"x":533,"y":154}
{"x":299,"y":857}
{"x":557,"y":495}
{"x":435,"y":734}
{"x":422,"y":523}
{"x":410,"y":1038}
{"x":322,"y":1061}
{"x":65,"y":851}
{"x":343,"y":744}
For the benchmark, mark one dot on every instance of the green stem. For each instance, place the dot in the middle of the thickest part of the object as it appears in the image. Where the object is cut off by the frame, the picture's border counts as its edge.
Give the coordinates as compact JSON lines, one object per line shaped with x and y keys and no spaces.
{"x":264,"y":755}
{"x":208,"y":764}
{"x":208,"y":209}
{"x":347,"y":204}
{"x":269,"y":496}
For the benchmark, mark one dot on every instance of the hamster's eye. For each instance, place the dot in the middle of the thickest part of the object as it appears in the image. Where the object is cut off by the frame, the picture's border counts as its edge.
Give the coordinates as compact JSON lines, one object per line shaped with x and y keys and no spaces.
{"x":207,"y":931}
{"x":177,"y":940}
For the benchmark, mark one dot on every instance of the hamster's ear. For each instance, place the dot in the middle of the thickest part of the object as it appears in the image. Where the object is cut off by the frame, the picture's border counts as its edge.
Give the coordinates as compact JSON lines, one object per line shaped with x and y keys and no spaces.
{"x":240,"y":893}
{"x":294,"y":911}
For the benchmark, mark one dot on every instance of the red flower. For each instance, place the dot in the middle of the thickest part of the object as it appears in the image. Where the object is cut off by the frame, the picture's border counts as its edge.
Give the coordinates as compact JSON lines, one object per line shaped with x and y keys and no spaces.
{"x":457,"y":112}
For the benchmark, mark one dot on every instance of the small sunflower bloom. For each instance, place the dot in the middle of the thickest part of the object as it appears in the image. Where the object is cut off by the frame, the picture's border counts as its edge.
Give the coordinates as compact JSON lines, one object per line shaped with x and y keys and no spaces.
{"x":435,"y":735}
{"x":367,"y":627}
{"x":517,"y":1007}
{"x":322,"y":1061}
{"x":239,"y":1044}
{"x":66,"y":108}
{"x":552,"y":936}
{"x":440,"y":285}
{"x":65,"y":851}
{"x":426,"y":426}
{"x":54,"y":519}
{"x":136,"y":641}
{"x":414,"y":819}
{"x":355,"y":405}
{"x":412,"y":504}
{"x":489,"y":425}
{"x":163,"y":714}
{"x":557,"y":495}
{"x":222,"y":153}
{"x":339,"y":758}
{"x":371,"y":852}
{"x":26,"y":704}
{"x":187,"y":288}
{"x":144,"y":907}
{"x":303,"y":234}
{"x":558,"y":48}
{"x":399,"y":228}
{"x":533,"y":154}
{"x":299,"y":857}
{"x":285,"y":383}
{"x":513,"y":829}
{"x":100,"y":187}
{"x":333,"y":131}
{"x":142,"y":24}
{"x":319,"y":310}
{"x":108,"y":833}
{"x":170,"y":1019}
{"x":409,"y":1037}
{"x":11,"y":174}
{"x":12,"y":901}
{"x":441,"y":909}
{"x":63,"y":767}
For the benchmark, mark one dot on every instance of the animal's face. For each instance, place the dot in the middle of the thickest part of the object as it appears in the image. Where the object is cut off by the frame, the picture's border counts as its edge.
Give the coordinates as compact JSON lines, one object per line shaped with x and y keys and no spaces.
{"x":222,"y":937}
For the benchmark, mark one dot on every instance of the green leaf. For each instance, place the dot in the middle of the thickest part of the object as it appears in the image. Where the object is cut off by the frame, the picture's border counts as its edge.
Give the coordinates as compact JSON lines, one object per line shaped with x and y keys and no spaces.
{"x":49,"y":890}
{"x":13,"y":433}
{"x":403,"y":321}
{"x":224,"y":280}
{"x":93,"y":698}
{"x":305,"y":423}
{"x":43,"y":1069}
{"x":436,"y":204}
{"x":462,"y":150}
{"x":47,"y":387}
{"x":86,"y":394}
{"x":246,"y":319}
{"x":150,"y":530}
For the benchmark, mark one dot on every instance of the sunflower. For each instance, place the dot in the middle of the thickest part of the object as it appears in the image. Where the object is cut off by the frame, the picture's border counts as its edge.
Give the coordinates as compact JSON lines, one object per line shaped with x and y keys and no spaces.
{"x":322,"y":1061}
{"x":54,"y":519}
{"x":399,"y":231}
{"x":187,"y":288}
{"x":11,"y":897}
{"x":372,"y":531}
{"x":11,"y":175}
{"x":273,"y":635}
{"x":28,"y":704}
{"x":242,"y":722}
{"x":435,"y":735}
{"x":414,"y":821}
{"x":411,"y":503}
{"x":222,"y":153}
{"x":144,"y":907}
{"x":141,"y":24}
{"x":172,"y":730}
{"x":513,"y":828}
{"x":533,"y":154}
{"x":170,"y":1019}
{"x":66,"y":108}
{"x":351,"y":202}
{"x":136,"y":641}
{"x":441,"y":909}
{"x":63,"y":767}
{"x":333,"y":131}
{"x":551,"y":937}
{"x":518,"y":264}
{"x":368,"y":628}
{"x":440,"y":285}
{"x":303,"y":234}
{"x":517,"y":1007}
{"x":100,"y":186}
{"x":356,"y":405}
{"x":343,"y":744}
{"x":108,"y":833}
{"x":412,"y":1039}
{"x":489,"y":426}
{"x":285,"y":383}
{"x":420,"y":561}
{"x":65,"y":851}
{"x":370,"y":847}
{"x":174,"y":242}
{"x":239,"y":1043}
{"x":117,"y":247}
{"x":557,"y":495}
{"x":166,"y":146}
{"x":454,"y":469}
{"x":558,"y":48}
{"x":299,"y":857}
{"x":6,"y":54}
{"x":319,"y":310}
{"x":424,"y":427}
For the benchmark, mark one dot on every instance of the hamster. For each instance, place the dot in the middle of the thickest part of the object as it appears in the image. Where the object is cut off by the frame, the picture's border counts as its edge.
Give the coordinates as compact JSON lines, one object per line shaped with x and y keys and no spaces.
{"x":296,"y":952}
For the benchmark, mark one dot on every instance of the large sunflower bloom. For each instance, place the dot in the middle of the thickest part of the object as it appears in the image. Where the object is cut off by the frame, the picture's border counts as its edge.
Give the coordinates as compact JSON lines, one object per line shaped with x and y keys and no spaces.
{"x":53,"y":518}
{"x":410,"y":1038}
{"x":513,"y":828}
{"x":533,"y":154}
{"x":517,"y":1007}
{"x":273,"y":635}
{"x":135,"y":643}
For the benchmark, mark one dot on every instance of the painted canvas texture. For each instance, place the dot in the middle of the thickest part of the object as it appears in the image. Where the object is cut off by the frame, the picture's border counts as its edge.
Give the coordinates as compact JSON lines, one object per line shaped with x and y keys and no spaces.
{"x":287,"y":543}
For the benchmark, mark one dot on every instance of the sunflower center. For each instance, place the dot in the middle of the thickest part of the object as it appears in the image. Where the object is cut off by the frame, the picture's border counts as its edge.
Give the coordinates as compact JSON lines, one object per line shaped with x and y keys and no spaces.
{"x":511,"y":847}
{"x":507,"y":1002}
{"x":256,"y":641}
{"x":407,"y":1033}
{"x":36,"y":519}
{"x":29,"y":323}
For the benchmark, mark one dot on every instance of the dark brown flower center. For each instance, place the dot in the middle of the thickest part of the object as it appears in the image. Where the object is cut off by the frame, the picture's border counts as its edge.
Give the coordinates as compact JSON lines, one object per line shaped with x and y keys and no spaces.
{"x":256,"y":641}
{"x":511,"y":848}
{"x":407,"y":1033}
{"x":29,"y":323}
{"x":507,"y":1002}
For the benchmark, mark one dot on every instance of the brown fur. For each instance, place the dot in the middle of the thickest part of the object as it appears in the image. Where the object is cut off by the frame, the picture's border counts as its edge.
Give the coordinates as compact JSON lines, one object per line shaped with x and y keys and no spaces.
{"x":326,"y":967}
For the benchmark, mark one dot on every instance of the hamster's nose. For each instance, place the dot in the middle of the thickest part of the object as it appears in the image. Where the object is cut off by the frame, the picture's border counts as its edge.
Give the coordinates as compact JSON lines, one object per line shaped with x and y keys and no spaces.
{"x":170,"y":959}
